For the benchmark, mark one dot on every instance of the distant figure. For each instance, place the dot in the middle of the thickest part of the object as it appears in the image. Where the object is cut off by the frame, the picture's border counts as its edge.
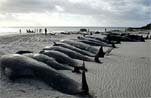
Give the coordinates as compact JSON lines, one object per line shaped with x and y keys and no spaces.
{"x":27,"y":30}
{"x":35,"y":30}
{"x":40,"y":30}
{"x":91,"y":33}
{"x":147,"y":37}
{"x":88,"y":31}
{"x":45,"y":31}
{"x":125,"y":30}
{"x":105,"y":29}
{"x":20,"y":31}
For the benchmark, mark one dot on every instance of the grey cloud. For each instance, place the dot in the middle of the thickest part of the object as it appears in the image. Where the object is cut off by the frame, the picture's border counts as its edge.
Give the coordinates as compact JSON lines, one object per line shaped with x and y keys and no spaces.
{"x":122,"y":10}
{"x":25,"y":6}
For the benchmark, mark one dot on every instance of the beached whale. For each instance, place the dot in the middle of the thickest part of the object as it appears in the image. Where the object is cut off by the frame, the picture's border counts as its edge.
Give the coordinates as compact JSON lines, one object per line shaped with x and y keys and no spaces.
{"x":93,"y":42}
{"x":126,"y":37}
{"x":56,"y":80}
{"x":74,"y":54}
{"x":135,"y":38}
{"x":48,"y":60}
{"x":88,"y":42}
{"x":63,"y":59}
{"x":72,"y":48}
{"x":101,"y":41}
{"x":97,"y":38}
{"x":81,"y":45}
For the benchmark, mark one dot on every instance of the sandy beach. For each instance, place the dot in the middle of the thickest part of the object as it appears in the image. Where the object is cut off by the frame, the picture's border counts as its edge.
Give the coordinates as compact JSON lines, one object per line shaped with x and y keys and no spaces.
{"x":125,"y":73}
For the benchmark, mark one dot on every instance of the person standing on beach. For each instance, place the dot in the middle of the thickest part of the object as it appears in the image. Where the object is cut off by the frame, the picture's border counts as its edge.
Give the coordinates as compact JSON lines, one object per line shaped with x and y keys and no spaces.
{"x":45,"y":31}
{"x":105,"y":29}
{"x":20,"y":31}
{"x":40,"y":30}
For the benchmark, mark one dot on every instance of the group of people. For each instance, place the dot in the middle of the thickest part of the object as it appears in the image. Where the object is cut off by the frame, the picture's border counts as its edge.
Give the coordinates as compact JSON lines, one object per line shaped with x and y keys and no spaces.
{"x":35,"y":31}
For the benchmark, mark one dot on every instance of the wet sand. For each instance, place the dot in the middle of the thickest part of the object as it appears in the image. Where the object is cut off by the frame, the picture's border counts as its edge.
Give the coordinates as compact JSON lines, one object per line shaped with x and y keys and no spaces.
{"x":125,"y":73}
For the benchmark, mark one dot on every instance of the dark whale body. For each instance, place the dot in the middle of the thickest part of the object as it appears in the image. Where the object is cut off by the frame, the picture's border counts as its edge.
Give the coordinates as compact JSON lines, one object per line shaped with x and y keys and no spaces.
{"x":43,"y":72}
{"x":125,"y":37}
{"x":97,"y":42}
{"x":48,"y":60}
{"x":93,"y":42}
{"x":76,"y":55}
{"x":73,"y":48}
{"x":98,"y":38}
{"x":70,"y":53}
{"x":81,"y":45}
{"x":88,"y":42}
{"x":62,"y":58}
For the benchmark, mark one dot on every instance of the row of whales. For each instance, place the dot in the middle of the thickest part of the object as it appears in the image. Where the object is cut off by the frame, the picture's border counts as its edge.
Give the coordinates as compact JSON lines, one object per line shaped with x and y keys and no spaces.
{"x":18,"y":64}
{"x":95,"y":42}
{"x":60,"y":56}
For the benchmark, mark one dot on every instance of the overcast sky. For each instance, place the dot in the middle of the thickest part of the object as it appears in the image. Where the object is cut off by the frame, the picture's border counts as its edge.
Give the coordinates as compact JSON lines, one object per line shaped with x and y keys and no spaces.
{"x":75,"y":12}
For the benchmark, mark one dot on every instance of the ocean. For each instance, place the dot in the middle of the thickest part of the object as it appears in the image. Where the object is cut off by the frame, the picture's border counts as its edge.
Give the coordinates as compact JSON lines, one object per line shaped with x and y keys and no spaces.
{"x":16,"y":30}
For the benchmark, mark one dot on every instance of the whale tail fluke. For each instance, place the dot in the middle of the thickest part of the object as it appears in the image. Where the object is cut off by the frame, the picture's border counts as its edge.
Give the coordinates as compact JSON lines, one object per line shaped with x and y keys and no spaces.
{"x":83,"y":67}
{"x":96,"y":59}
{"x":83,"y":64}
{"x":85,"y":87}
{"x":113,"y":45}
{"x":99,"y":54}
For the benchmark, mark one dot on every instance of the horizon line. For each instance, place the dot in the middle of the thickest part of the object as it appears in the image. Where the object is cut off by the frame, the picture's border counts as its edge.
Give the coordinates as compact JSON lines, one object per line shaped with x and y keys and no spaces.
{"x":61,"y":26}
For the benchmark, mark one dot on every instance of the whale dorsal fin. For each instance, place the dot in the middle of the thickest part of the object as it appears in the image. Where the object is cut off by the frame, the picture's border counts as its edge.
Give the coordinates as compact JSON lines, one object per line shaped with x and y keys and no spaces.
{"x":85,"y":87}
